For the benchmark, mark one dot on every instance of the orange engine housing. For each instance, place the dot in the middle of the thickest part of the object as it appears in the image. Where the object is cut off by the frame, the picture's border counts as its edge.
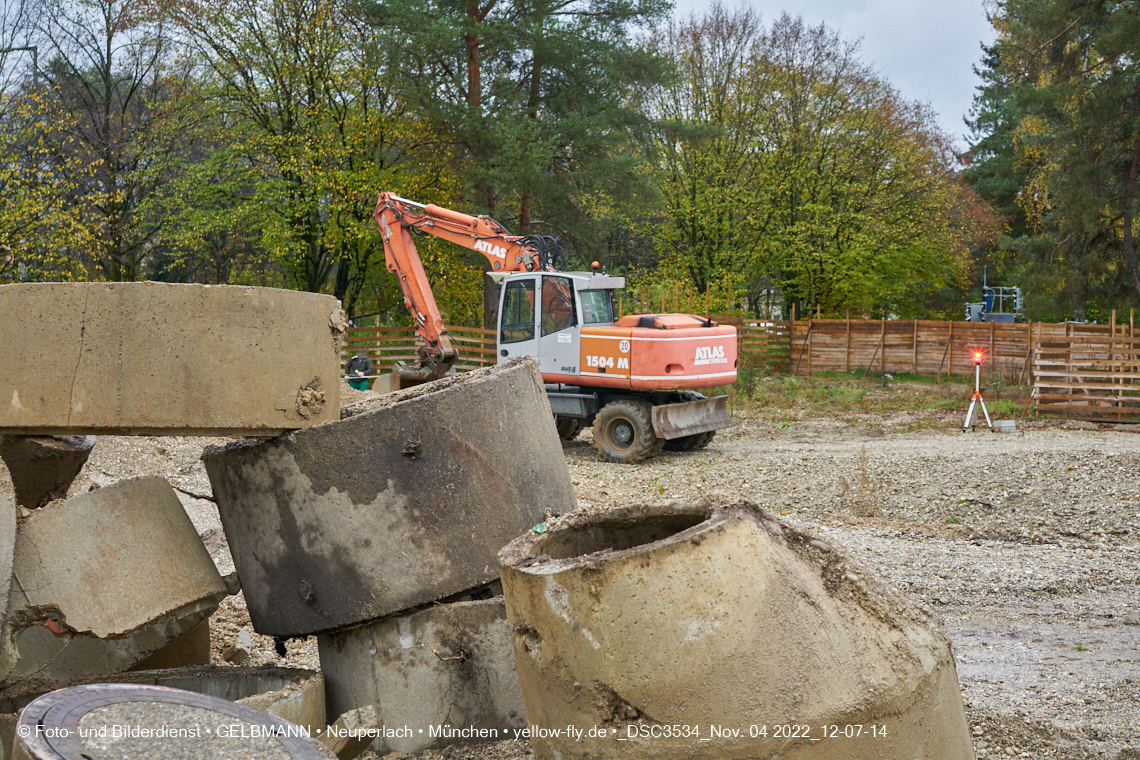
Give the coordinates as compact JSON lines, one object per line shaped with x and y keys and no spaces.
{"x":658,"y":352}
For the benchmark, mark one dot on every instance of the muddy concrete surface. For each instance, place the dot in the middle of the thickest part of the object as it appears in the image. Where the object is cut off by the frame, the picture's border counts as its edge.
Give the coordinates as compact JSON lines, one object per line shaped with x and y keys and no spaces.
{"x":397,"y":506}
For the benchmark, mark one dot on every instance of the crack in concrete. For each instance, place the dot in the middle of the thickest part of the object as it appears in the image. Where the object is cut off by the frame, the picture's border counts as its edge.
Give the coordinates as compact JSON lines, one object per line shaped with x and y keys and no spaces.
{"x":79,"y":358}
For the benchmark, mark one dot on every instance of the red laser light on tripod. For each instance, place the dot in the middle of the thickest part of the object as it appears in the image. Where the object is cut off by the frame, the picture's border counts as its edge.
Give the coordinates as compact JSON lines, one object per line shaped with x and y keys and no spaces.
{"x":978,"y":355}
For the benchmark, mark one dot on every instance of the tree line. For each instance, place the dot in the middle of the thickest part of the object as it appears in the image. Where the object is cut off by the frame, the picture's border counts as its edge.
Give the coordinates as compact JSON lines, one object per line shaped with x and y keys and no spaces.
{"x":244,"y":141}
{"x":1056,"y":151}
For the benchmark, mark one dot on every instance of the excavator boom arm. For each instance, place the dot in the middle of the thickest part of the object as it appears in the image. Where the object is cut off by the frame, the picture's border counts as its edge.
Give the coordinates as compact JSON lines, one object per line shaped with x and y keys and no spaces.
{"x":397,"y":217}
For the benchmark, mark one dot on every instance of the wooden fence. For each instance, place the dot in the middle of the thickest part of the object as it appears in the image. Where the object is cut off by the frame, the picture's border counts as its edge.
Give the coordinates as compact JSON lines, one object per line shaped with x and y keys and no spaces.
{"x":919,"y":347}
{"x":1077,"y":369}
{"x":1089,"y":372}
{"x":764,"y":347}
{"x":387,"y":345}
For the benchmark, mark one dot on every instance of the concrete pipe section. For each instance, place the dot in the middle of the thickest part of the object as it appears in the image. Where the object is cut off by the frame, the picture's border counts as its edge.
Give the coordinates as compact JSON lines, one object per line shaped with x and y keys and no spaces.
{"x":149,"y":358}
{"x":703,"y":631}
{"x":293,"y":694}
{"x":103,"y":580}
{"x":132,"y":722}
{"x":445,"y":673}
{"x":43,"y":467}
{"x":404,"y":503}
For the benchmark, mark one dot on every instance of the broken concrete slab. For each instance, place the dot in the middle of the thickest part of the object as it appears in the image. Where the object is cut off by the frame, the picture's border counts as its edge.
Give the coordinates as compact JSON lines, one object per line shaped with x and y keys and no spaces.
{"x":167,"y":359}
{"x":352,"y":732}
{"x":103,"y":580}
{"x":43,"y":467}
{"x":241,"y":649}
{"x":718,"y":615}
{"x":402,"y":504}
{"x":449,"y":667}
{"x":294,"y":694}
{"x":190,"y":649}
{"x":78,"y":722}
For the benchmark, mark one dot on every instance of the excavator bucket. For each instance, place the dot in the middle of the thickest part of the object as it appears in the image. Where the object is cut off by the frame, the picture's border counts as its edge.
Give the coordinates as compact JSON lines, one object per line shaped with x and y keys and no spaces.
{"x":404,"y":376}
{"x":691,"y":417}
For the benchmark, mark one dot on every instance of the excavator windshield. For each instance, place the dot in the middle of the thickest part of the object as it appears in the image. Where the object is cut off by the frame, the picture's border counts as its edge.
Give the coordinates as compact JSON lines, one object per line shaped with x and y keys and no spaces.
{"x":597,"y":306}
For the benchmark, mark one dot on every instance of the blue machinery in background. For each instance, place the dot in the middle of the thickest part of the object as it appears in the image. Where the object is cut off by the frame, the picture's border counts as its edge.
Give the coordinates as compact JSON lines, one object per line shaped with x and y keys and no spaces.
{"x":997,"y":305}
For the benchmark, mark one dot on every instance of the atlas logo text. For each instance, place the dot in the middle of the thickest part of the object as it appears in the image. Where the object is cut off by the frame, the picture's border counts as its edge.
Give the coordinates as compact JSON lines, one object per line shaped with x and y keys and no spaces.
{"x":710,"y":355}
{"x":491,"y":249}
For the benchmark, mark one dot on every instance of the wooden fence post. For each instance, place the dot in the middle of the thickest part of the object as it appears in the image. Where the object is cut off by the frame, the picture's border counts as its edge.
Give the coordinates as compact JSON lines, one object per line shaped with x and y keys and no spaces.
{"x":847,"y":345}
{"x":791,"y":337}
{"x":1028,"y":351}
{"x":1112,"y":343}
{"x":914,"y":362}
{"x":883,"y":346}
{"x":950,"y":352}
{"x":809,"y":342}
{"x":945,"y":353}
{"x":993,"y":354}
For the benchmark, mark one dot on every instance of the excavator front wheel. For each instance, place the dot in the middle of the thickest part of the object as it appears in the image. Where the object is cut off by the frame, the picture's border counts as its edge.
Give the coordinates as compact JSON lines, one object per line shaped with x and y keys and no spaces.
{"x":623,"y":432}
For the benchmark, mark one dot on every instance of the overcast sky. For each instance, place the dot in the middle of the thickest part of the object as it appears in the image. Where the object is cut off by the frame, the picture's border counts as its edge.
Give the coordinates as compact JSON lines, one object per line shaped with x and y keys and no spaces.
{"x":925,"y":48}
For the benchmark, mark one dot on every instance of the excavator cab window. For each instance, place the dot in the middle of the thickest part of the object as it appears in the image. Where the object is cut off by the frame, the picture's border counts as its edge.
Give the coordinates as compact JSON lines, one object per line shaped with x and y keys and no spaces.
{"x":557,"y":304}
{"x":518,"y":312}
{"x":597,"y":306}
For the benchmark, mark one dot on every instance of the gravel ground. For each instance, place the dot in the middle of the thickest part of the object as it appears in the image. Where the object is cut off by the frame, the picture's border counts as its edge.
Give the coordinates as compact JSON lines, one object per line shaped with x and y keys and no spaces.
{"x":1025,"y":545}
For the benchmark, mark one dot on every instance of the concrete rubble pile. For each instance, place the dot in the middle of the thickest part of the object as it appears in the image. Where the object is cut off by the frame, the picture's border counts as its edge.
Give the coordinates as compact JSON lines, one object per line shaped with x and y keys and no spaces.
{"x":117,"y":578}
{"x":380,"y":533}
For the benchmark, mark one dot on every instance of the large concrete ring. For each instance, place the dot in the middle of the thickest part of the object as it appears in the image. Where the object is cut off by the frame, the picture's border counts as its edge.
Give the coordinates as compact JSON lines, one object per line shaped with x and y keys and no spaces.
{"x":391,"y":508}
{"x":697,"y":631}
{"x":447,"y":668}
{"x":153,"y":358}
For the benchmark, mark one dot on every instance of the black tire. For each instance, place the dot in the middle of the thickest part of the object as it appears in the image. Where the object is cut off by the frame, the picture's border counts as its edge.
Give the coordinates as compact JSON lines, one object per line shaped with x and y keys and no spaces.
{"x":623,"y":432}
{"x":690,"y":442}
{"x":568,"y":427}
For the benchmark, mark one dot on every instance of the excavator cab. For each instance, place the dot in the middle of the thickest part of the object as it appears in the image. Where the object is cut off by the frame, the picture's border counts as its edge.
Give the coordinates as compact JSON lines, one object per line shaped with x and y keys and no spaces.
{"x":541,"y":315}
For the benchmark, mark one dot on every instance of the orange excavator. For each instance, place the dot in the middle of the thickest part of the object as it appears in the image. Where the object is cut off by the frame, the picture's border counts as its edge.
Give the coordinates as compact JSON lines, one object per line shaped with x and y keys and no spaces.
{"x":632,"y":378}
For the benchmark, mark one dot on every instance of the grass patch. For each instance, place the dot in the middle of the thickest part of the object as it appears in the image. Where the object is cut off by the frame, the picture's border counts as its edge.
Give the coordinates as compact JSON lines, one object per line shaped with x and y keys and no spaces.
{"x":851,"y":397}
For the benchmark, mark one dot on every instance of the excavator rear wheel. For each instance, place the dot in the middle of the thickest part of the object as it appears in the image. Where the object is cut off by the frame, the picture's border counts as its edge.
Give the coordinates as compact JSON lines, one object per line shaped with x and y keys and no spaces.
{"x":568,"y":427}
{"x":623,"y":432}
{"x":690,"y":442}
